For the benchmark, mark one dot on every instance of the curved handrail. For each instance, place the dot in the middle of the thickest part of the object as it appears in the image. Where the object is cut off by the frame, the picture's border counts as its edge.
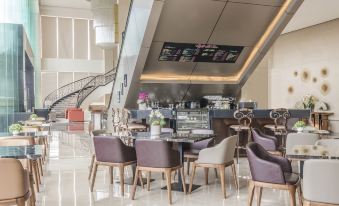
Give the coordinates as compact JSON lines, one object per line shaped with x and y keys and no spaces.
{"x":97,"y":81}
{"x":65,"y":91}
{"x":121,"y":48}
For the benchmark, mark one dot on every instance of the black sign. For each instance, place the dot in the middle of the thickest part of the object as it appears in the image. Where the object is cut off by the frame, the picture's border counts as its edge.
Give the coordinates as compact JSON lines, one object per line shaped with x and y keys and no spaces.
{"x":182,"y":52}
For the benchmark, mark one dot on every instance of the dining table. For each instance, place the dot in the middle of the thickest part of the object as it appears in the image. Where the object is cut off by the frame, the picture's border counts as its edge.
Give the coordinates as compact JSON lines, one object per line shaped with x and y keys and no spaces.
{"x":180,"y":139}
{"x":32,"y":152}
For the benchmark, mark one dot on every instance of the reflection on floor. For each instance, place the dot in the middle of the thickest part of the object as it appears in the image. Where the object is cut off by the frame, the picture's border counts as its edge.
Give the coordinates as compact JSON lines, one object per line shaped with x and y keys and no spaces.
{"x":65,"y":182}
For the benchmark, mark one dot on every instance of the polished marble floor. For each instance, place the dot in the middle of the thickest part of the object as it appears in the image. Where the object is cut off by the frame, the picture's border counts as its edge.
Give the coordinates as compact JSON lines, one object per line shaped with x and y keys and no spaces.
{"x":65,"y":182}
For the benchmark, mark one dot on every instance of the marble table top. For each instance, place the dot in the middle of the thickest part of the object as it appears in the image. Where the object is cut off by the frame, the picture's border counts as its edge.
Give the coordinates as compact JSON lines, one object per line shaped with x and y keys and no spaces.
{"x":304,"y":152}
{"x":21,"y":152}
{"x":173,"y":137}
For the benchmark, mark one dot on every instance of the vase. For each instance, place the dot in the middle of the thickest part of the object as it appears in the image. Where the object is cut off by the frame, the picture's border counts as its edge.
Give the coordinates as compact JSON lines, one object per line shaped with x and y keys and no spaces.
{"x":300,"y":129}
{"x":155,"y":131}
{"x":15,"y":133}
{"x":142,"y":106}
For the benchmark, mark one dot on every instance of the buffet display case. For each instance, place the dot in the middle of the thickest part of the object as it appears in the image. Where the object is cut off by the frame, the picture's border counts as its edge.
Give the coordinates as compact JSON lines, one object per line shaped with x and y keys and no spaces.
{"x":188,"y":119}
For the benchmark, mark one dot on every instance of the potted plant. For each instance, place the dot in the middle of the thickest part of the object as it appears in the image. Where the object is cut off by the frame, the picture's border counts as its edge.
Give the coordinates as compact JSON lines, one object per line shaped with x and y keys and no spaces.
{"x":33,"y":116}
{"x":309,"y":101}
{"x":156,"y":120}
{"x":15,"y":129}
{"x":299,"y":126}
{"x":142,"y":100}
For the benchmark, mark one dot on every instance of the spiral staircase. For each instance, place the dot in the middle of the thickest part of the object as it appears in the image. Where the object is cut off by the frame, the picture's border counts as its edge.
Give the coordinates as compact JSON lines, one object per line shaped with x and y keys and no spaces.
{"x":74,"y":93}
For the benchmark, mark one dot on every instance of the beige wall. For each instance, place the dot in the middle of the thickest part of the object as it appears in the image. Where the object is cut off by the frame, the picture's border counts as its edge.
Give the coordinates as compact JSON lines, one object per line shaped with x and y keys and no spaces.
{"x":256,"y":87}
{"x":309,"y":50}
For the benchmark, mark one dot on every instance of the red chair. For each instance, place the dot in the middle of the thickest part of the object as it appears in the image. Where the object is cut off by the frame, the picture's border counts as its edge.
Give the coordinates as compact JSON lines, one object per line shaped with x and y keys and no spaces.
{"x":74,"y":115}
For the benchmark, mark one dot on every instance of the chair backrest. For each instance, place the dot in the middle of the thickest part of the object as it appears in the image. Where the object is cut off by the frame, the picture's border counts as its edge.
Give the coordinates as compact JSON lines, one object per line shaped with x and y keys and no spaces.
{"x":202,"y":131}
{"x":244,"y":116}
{"x":13,"y":178}
{"x":98,"y":132}
{"x":167,"y":130}
{"x":267,"y":142}
{"x":110,"y":149}
{"x":228,"y":144}
{"x":300,"y":139}
{"x":280,"y":116}
{"x":332,"y":144}
{"x":321,"y":182}
{"x":156,"y":153}
{"x":265,"y":167}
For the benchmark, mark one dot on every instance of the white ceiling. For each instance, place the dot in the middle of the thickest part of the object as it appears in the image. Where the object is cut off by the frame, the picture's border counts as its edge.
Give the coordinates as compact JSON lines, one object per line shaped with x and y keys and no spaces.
{"x":78,"y":4}
{"x":313,"y":12}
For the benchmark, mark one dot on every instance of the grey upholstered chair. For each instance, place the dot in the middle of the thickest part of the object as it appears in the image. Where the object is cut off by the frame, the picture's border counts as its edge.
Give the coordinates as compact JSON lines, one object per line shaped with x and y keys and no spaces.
{"x":191,"y":151}
{"x":14,"y":187}
{"x":219,"y":156}
{"x":300,"y":139}
{"x":112,"y":152}
{"x":269,"y":143}
{"x":321,"y":182}
{"x":271,"y":171}
{"x":157,"y":156}
{"x":93,"y":134}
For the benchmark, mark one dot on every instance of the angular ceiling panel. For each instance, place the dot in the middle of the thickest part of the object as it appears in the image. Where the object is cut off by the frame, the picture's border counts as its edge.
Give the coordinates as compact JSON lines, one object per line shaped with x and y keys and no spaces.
{"x":242,"y":24}
{"x":260,"y":2}
{"x":188,"y":21}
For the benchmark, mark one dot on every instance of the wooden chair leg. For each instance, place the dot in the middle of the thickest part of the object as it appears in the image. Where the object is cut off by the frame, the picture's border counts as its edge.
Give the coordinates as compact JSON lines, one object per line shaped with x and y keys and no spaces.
{"x":36,"y":179}
{"x":169,"y":186}
{"x":182,"y":172}
{"x":136,"y":177}
{"x":206,"y":175}
{"x":148,"y":181}
{"x":141,"y":180}
{"x":91,"y":167}
{"x":32,"y":198}
{"x":234,"y":171}
{"x":222,"y":178}
{"x":20,"y":202}
{"x":110,"y":171}
{"x":192,"y":178}
{"x":250,"y":192}
{"x":259,"y":194}
{"x":292,"y":191}
{"x":163,"y":176}
{"x":216,"y":173}
{"x":40,"y":167}
{"x":122,"y":181}
{"x":300,"y":195}
{"x":188,"y":165}
{"x":36,"y":165}
{"x":95,"y":168}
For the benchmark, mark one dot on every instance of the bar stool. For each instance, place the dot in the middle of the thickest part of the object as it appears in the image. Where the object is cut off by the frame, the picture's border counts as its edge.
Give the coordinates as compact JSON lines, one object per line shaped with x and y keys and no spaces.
{"x":244,"y":117}
{"x":280,"y":117}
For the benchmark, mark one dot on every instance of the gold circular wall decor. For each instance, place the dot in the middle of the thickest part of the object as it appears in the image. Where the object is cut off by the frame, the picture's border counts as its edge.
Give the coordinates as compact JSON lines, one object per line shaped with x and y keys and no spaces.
{"x":314,"y":79}
{"x":295,"y":73}
{"x":324,"y":72}
{"x":305,"y":75}
{"x":290,"y":89}
{"x":324,"y":88}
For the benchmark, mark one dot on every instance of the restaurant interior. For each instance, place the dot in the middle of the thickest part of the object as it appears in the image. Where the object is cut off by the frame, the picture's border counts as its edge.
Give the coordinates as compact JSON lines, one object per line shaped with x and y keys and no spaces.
{"x":169,"y":102}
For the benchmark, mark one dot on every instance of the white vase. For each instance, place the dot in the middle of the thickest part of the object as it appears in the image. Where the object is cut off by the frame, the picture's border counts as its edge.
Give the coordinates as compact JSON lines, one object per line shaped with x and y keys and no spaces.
{"x":155,"y":131}
{"x":300,"y":129}
{"x":15,"y":132}
{"x":142,"y":106}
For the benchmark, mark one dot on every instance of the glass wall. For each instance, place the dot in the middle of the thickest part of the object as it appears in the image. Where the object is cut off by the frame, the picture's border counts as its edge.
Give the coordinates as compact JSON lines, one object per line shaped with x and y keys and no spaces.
{"x":19,"y":20}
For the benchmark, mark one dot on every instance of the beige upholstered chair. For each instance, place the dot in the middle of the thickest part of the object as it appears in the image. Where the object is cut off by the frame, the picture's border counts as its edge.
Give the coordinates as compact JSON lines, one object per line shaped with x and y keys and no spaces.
{"x":14,"y":187}
{"x":300,"y":139}
{"x":219,"y":156}
{"x":321,"y":183}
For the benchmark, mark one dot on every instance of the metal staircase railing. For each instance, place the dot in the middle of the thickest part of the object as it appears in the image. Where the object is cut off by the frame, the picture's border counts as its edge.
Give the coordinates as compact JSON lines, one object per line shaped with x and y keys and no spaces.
{"x":100,"y":80}
{"x":65,"y":90}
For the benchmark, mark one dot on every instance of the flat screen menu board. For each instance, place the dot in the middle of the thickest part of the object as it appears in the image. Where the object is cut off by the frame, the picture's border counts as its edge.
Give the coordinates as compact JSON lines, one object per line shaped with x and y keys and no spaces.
{"x":183,"y":52}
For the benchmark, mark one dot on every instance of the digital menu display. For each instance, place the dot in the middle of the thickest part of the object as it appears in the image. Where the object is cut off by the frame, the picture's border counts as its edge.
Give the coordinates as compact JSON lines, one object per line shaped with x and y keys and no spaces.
{"x":183,"y":52}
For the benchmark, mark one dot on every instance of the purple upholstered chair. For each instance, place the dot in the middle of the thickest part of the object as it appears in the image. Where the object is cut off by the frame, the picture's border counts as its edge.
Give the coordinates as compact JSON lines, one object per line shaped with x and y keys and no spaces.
{"x":112,"y":152}
{"x":269,"y":143}
{"x":270,"y":171}
{"x":157,"y":156}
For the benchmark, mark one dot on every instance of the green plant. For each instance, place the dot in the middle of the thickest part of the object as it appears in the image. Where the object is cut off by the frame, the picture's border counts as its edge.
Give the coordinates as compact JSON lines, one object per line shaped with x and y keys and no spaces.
{"x":299,"y":124}
{"x":156,"y":118}
{"x":33,"y":116}
{"x":15,"y":127}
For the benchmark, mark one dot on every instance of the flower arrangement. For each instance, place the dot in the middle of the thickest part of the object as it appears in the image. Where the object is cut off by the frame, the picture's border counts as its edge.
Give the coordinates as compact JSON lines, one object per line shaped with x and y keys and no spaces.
{"x":15,"y":128}
{"x":309,"y":101}
{"x":299,"y":124}
{"x":33,"y":116}
{"x":156,"y":118}
{"x":142,"y":97}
